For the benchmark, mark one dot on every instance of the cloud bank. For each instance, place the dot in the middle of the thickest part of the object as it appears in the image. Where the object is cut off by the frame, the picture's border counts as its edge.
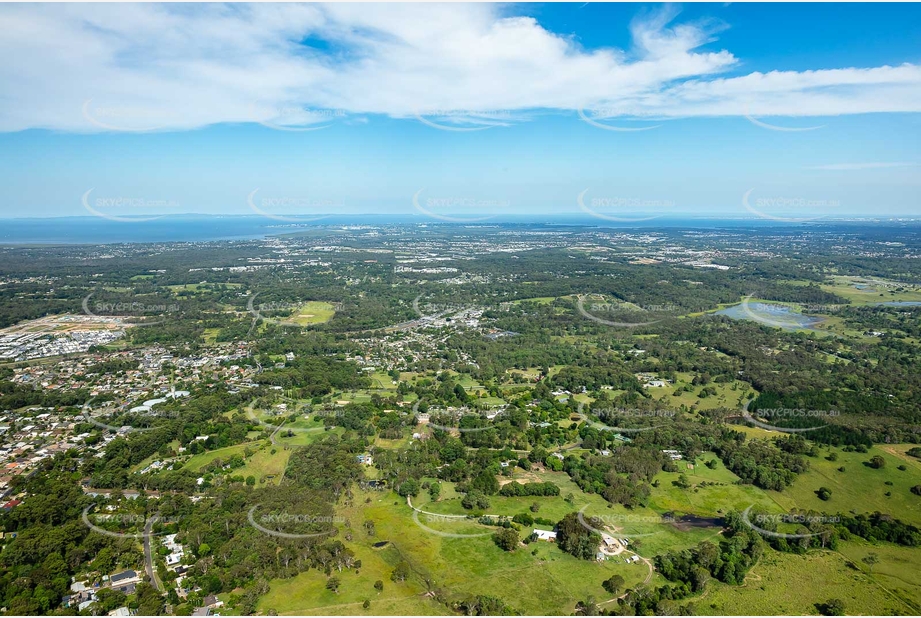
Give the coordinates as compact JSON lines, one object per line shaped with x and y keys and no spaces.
{"x":146,"y":67}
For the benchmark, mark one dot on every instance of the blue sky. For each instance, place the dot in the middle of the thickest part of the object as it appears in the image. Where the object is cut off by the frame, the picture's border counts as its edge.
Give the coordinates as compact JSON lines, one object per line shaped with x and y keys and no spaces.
{"x":461,"y":111}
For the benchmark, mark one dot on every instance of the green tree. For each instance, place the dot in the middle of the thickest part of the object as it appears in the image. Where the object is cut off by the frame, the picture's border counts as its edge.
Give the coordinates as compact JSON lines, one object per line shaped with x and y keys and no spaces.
{"x":409,"y":487}
{"x":614,"y":584}
{"x":831,"y":607}
{"x":506,"y":538}
{"x":486,"y":482}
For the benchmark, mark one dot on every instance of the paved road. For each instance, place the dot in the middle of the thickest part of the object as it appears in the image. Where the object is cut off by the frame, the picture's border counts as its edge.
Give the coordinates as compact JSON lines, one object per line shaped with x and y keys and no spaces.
{"x":148,"y":555}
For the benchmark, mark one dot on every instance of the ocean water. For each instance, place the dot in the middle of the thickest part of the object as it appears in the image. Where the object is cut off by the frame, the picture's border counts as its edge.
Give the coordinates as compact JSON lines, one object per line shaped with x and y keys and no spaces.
{"x":197,"y":228}
{"x":95,"y":230}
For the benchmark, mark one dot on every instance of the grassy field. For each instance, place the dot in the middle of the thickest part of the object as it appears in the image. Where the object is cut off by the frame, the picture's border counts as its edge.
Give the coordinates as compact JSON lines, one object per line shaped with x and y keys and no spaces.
{"x":460,"y":566}
{"x":457,"y":567}
{"x":540,"y":300}
{"x":897,"y":570}
{"x":197,"y":462}
{"x":859,"y":487}
{"x":313,"y":312}
{"x":871,"y":290}
{"x":305,"y":430}
{"x":725,"y":396}
{"x":265,"y":463}
{"x":551,"y":507}
{"x":788,"y":584}
{"x":200,"y":287}
{"x":380,"y":380}
{"x":721,"y":493}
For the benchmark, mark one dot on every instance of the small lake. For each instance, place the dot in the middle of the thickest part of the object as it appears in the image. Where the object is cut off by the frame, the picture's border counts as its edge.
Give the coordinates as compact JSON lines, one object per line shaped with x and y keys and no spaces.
{"x":772,"y":314}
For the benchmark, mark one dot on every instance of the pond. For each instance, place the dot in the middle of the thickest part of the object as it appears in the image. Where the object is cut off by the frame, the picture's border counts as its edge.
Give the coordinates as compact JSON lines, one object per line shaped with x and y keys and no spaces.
{"x":772,"y":314}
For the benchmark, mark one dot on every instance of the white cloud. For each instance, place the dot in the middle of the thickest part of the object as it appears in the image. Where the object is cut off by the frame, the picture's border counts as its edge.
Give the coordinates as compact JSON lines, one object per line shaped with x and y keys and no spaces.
{"x":144,"y":66}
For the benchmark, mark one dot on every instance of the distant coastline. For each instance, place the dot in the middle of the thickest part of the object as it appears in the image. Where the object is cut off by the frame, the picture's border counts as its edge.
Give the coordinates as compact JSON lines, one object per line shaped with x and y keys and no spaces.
{"x":211,"y":228}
